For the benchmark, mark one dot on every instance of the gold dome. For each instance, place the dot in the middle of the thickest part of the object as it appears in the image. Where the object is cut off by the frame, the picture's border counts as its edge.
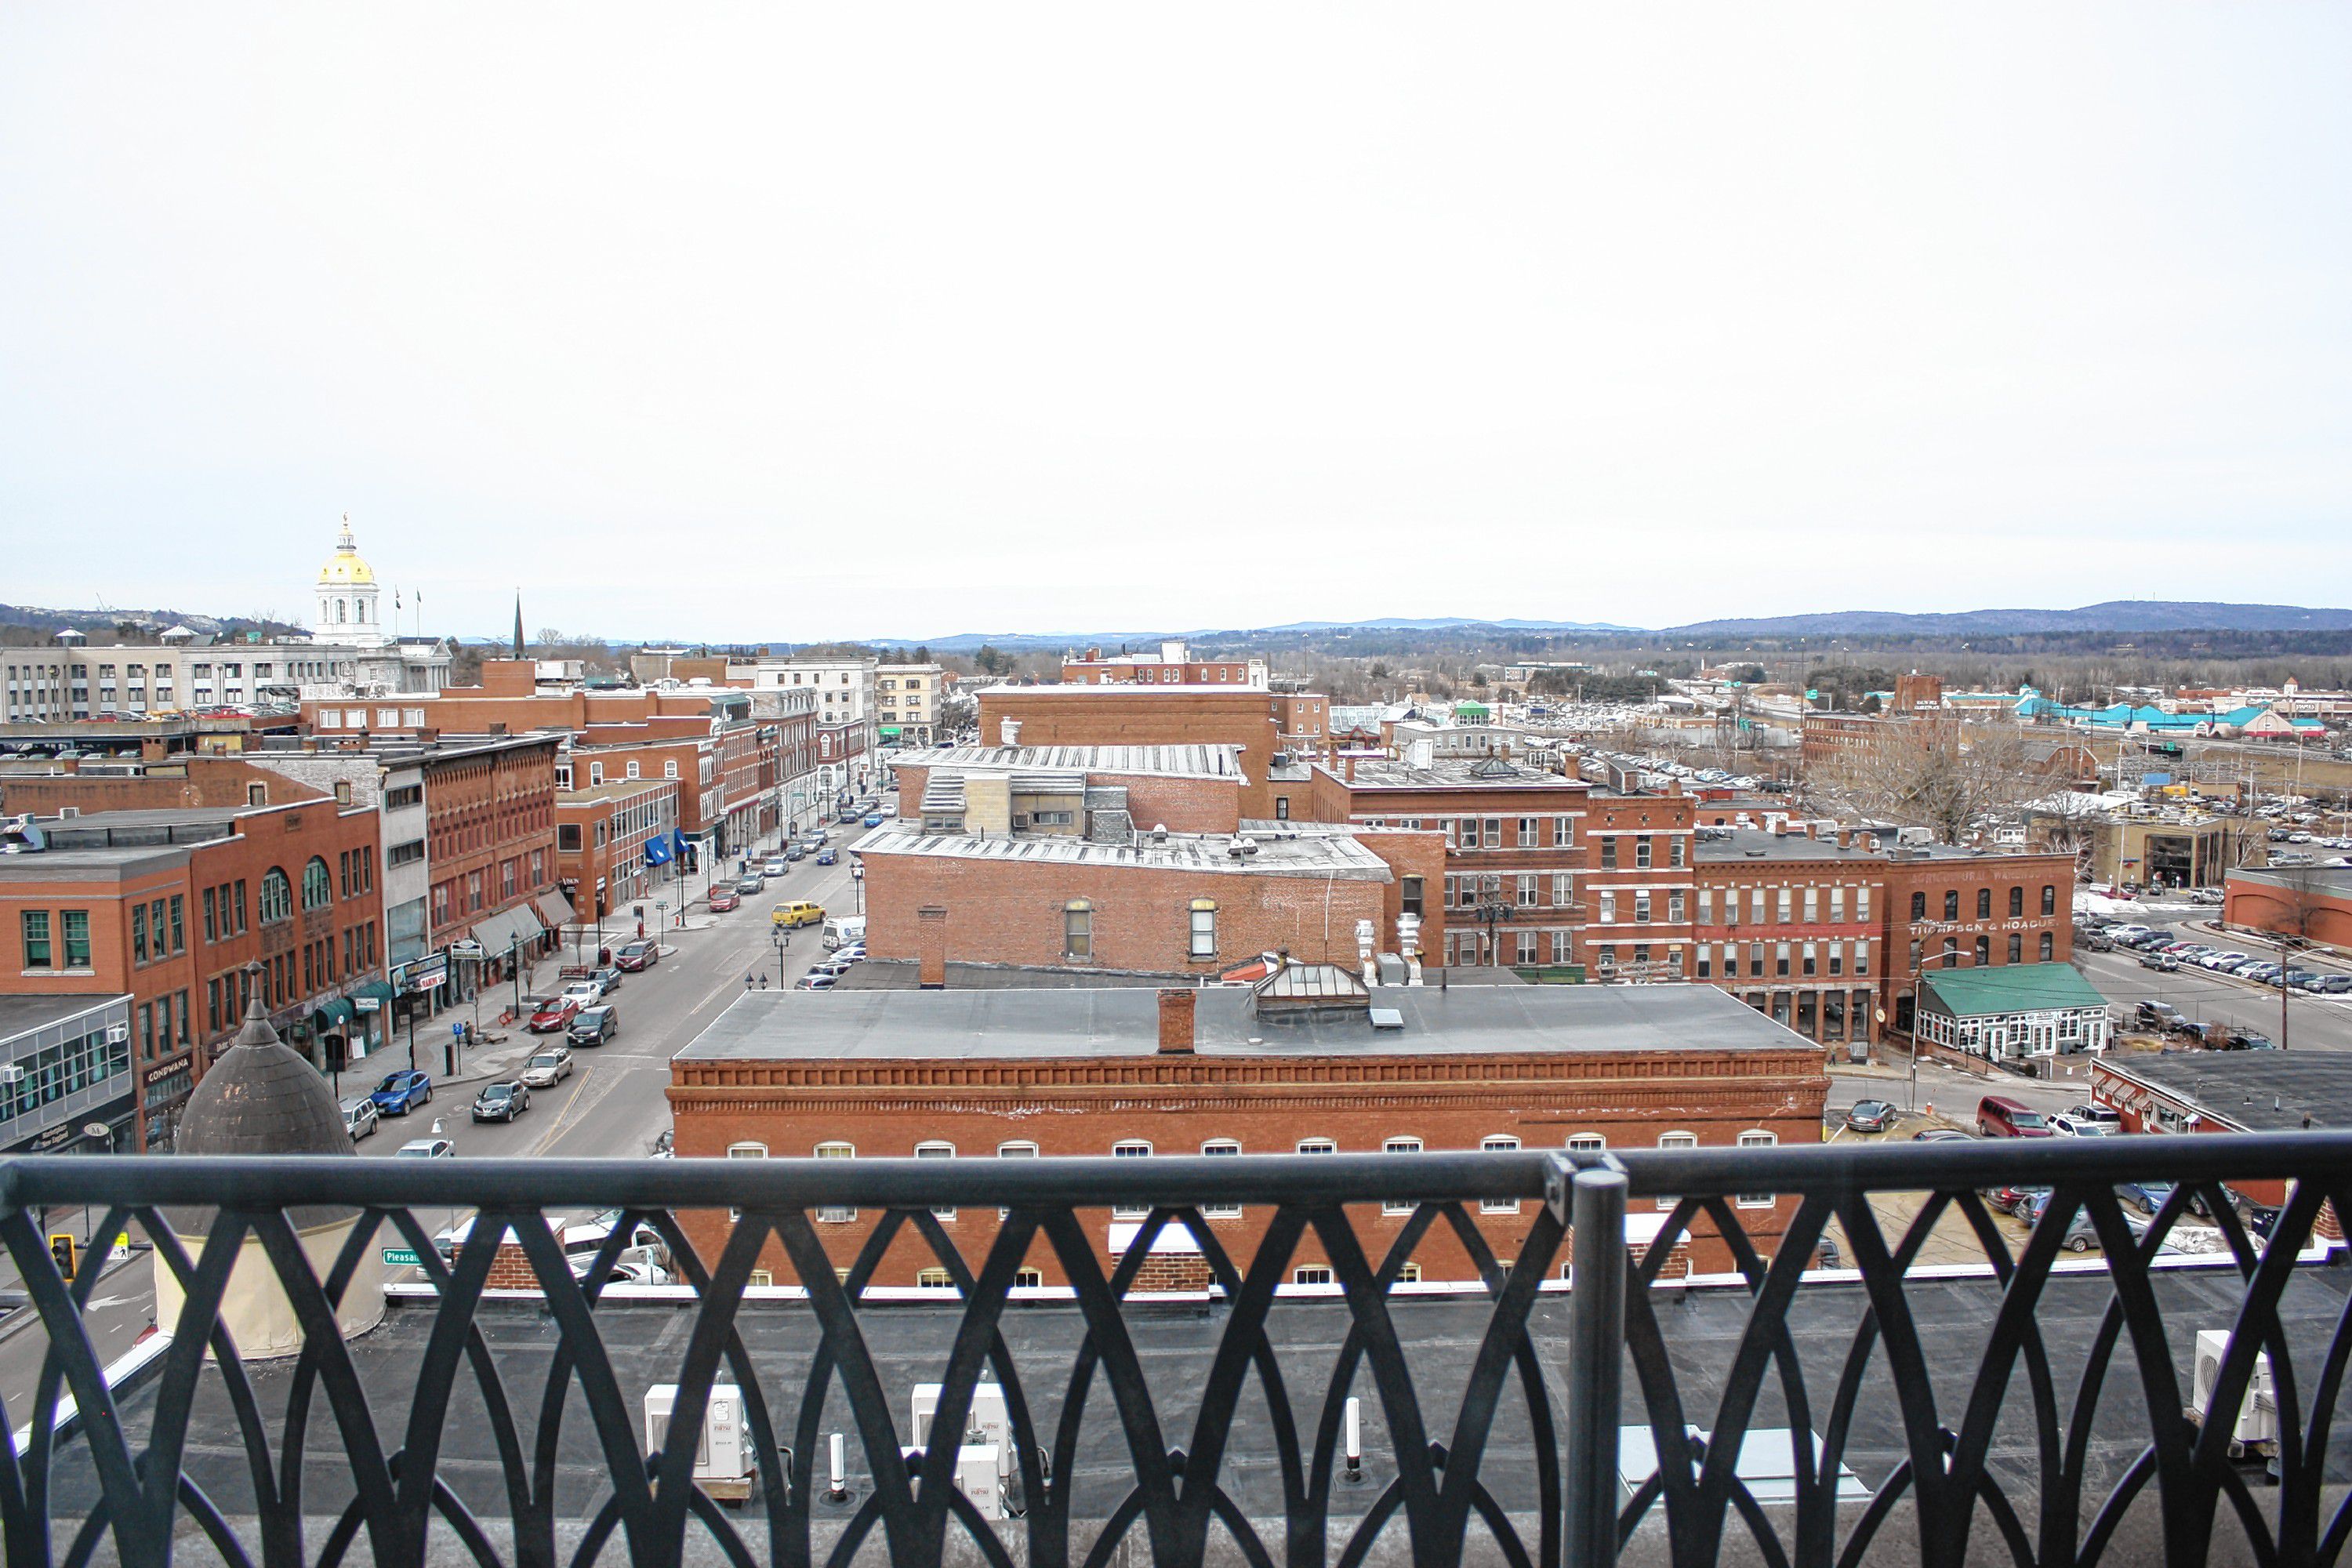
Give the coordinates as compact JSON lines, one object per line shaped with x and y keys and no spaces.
{"x":345,"y":568}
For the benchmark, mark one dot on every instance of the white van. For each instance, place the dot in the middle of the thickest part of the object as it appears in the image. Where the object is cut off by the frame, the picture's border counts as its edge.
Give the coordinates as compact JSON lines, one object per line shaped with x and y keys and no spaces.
{"x":840,"y":930}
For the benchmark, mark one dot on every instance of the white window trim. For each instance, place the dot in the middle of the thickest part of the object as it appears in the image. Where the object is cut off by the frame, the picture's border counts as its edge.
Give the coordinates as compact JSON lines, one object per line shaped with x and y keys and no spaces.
{"x":1756,"y":1138}
{"x":1500,"y":1143}
{"x":1130,"y":1149}
{"x":1675,"y":1141}
{"x":1220,"y":1148}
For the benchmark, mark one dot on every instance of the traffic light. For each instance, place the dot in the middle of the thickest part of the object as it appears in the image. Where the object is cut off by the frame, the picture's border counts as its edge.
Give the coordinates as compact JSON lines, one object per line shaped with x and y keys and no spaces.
{"x":61,"y":1251}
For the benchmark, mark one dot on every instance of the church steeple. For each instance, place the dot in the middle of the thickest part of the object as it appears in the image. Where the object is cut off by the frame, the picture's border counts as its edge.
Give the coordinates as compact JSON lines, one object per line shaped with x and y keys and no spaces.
{"x":518,"y":640}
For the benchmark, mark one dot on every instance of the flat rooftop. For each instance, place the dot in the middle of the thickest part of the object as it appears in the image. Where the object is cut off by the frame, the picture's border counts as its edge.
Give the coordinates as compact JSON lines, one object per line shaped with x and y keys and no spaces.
{"x":2263,"y":1091}
{"x":1455,"y":773}
{"x":1203,"y":854}
{"x":1755,"y":844}
{"x":1195,"y":762}
{"x":21,"y":1014}
{"x":1504,"y":1020}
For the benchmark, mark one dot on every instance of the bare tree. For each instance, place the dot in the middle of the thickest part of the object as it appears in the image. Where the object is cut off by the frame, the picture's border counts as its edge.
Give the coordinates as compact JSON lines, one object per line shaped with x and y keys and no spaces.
{"x":1938,"y":772}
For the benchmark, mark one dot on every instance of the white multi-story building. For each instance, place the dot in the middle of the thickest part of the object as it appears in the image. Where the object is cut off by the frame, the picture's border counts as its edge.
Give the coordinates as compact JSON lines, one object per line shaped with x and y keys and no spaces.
{"x":844,"y":715}
{"x":906,"y":703}
{"x":349,"y":651}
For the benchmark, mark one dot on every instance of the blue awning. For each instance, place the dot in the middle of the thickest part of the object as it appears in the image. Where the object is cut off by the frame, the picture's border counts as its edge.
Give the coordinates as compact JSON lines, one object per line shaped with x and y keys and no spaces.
{"x":658,"y":852}
{"x":678,"y":841}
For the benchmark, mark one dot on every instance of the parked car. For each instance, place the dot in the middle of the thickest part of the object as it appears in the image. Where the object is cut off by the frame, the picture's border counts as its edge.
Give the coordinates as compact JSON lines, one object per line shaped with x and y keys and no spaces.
{"x":403,"y":1092}
{"x":751,"y":884}
{"x":813,"y":980}
{"x":594,"y":1025}
{"x":724,"y":899}
{"x":2158,"y":1016}
{"x":2089,"y":1112}
{"x":839,"y":964}
{"x":634,"y":956}
{"x":2080,"y":1127}
{"x":554,"y":1014}
{"x":2247,"y":1040}
{"x":426,"y":1149}
{"x":2148,"y":1194}
{"x":1997,"y":1116}
{"x":586,"y":992}
{"x":2012,"y":1198}
{"x":1942,"y":1135}
{"x":2082,"y":1234}
{"x":501,"y":1101}
{"x":777,"y":866}
{"x":359,"y":1118}
{"x":873,"y":819}
{"x":795,"y":852}
{"x":1870,"y":1116}
{"x":548,"y":1068}
{"x":2335,"y":985}
{"x":2160,"y":961}
{"x":2204,"y":895}
{"x":797,"y":913}
{"x":2097,"y":942}
{"x":827,"y":857}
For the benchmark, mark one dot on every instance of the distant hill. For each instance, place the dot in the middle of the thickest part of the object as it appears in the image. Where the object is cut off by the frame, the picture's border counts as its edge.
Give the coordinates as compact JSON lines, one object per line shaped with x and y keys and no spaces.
{"x":36,"y":619}
{"x":2113,"y":615}
{"x":1023,"y":642}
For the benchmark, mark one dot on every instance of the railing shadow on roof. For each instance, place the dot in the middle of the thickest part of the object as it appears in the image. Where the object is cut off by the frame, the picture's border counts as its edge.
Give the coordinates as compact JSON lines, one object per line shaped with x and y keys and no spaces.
{"x":1521,"y":1465}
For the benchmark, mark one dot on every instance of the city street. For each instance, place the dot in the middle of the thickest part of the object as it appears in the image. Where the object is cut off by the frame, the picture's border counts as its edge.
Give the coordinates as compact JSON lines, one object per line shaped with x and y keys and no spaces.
{"x":612,"y":1105}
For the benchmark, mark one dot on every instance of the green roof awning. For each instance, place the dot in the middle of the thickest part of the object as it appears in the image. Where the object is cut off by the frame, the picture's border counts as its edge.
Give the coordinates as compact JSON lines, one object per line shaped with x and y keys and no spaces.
{"x":2009,"y":988}
{"x":378,"y":989}
{"x":331,"y":1014}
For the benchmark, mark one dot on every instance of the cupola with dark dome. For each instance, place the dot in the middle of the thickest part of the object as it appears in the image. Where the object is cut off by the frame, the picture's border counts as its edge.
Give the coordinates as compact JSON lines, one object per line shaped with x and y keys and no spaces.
{"x":263,"y":1098}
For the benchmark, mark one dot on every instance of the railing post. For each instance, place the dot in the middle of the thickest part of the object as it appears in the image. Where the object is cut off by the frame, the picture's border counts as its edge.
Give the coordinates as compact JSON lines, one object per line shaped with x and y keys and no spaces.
{"x":1596,"y":1350}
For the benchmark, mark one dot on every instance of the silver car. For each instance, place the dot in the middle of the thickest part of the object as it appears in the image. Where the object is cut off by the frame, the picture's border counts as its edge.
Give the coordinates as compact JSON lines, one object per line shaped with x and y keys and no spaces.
{"x":548,"y":1068}
{"x":359,"y":1118}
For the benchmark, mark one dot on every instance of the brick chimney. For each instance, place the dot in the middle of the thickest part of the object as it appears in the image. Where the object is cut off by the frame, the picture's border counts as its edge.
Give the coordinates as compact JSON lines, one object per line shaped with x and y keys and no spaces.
{"x":1176,"y":1003}
{"x":931,"y":947}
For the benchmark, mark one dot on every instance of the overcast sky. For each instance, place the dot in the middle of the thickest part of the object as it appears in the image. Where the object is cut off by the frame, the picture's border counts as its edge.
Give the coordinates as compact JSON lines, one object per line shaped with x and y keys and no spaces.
{"x":901,"y":320}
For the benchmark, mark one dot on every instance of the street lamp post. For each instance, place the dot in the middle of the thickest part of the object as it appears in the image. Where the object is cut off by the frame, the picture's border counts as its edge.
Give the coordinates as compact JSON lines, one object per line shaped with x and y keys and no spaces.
{"x":1923,"y":928}
{"x":857,"y":880}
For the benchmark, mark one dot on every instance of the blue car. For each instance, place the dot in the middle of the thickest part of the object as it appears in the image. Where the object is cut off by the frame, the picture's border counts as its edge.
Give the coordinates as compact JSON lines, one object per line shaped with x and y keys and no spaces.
{"x":2146,"y":1195}
{"x":873,"y":819}
{"x":826,"y":857}
{"x":403,"y":1092}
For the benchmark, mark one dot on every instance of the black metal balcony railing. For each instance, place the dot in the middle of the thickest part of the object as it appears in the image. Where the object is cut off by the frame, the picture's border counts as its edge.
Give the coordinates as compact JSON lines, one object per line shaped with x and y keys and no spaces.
{"x":2055,"y":1433}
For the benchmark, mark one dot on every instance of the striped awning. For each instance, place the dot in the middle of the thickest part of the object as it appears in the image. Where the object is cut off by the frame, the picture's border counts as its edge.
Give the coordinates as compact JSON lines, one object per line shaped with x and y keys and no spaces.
{"x":499,"y":933}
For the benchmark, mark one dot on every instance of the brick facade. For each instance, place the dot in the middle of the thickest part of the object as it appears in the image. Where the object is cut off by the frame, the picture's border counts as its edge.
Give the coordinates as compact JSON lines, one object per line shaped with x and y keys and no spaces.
{"x":1949,"y":909}
{"x":1138,"y":918}
{"x":1177,"y":1104}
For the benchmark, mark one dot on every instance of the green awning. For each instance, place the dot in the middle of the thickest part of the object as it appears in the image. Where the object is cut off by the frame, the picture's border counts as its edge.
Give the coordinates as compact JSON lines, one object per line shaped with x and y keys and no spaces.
{"x":331,"y":1014}
{"x":2009,"y":988}
{"x":890,"y":729}
{"x":378,"y":989}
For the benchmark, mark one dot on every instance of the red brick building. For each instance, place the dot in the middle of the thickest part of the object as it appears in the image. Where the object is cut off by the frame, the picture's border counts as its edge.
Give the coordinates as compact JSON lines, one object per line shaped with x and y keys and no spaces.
{"x":1171,"y":663}
{"x":1947,"y":908}
{"x":615,"y":843}
{"x":1135,"y":1073}
{"x":1791,"y":925}
{"x":1130,"y":715}
{"x":1127,"y":859}
{"x":1514,"y":838}
{"x":170,"y":905}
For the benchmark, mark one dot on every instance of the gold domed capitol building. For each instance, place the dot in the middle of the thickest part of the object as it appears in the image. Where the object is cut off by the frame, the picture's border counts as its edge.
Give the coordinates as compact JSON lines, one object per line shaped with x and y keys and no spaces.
{"x":347,"y":598}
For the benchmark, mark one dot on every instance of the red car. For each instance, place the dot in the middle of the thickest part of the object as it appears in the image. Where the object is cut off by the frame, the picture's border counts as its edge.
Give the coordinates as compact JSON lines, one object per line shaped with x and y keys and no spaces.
{"x":725,"y":898}
{"x":634,"y":956}
{"x":554,"y":1014}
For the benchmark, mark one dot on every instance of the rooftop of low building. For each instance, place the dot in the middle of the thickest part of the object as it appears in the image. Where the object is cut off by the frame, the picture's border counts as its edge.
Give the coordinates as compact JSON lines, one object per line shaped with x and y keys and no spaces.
{"x":1731,"y":844}
{"x":1259,"y":854}
{"x":21,"y":1014}
{"x":2262,"y":1091}
{"x":1495,"y":1020}
{"x":1455,"y":773}
{"x":1203,"y":761}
